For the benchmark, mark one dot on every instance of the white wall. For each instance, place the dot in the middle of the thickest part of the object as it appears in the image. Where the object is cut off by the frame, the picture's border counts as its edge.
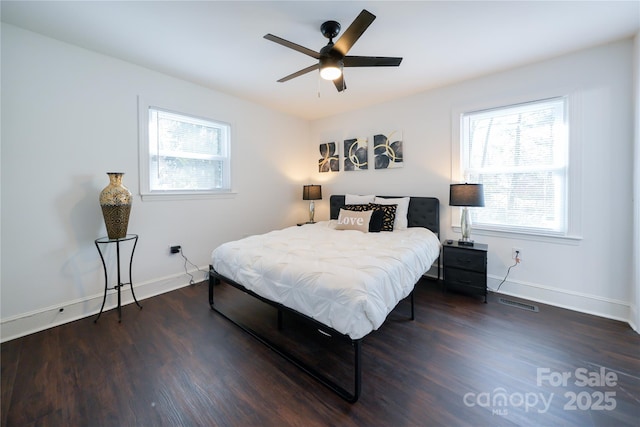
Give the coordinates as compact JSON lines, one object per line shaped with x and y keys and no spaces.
{"x":592,"y":274}
{"x":70,"y":116}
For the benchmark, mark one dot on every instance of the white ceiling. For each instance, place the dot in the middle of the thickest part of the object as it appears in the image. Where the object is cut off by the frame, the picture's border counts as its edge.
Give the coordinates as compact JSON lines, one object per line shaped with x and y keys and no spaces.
{"x":220,"y":44}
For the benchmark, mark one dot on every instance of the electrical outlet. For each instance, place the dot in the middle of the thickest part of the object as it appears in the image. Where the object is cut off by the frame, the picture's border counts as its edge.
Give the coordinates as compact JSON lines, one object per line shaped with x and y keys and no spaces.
{"x":516,"y":252}
{"x":174,"y":249}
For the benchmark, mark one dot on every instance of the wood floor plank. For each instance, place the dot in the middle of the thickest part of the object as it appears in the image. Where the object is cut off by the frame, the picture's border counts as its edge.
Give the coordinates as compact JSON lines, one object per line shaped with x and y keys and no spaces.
{"x":178,"y":363}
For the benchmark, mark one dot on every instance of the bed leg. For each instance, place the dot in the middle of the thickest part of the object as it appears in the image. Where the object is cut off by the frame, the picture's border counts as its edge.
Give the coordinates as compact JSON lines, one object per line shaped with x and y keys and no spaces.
{"x":357,"y":373}
{"x":413,"y":313}
{"x":212,"y":281}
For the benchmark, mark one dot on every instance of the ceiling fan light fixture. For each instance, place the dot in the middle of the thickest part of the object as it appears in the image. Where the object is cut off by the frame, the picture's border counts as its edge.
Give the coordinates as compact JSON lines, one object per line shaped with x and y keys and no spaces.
{"x":330,"y":68}
{"x":330,"y":73}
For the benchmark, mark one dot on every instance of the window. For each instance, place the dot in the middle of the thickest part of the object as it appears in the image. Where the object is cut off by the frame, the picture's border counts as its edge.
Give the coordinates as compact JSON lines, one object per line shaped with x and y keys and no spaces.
{"x":184,"y":155}
{"x":520,"y":154}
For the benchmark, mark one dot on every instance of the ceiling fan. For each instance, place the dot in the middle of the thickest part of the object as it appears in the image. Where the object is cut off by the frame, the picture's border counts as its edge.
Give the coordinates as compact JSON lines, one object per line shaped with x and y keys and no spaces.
{"x":333,"y":57}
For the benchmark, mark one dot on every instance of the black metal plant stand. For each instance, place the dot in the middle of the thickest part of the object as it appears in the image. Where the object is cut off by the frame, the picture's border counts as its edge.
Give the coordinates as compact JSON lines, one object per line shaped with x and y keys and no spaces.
{"x":119,"y":285}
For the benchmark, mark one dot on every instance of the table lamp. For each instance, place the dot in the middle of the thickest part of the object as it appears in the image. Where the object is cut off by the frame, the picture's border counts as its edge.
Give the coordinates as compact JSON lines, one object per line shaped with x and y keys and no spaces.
{"x":311,"y":192}
{"x":466,"y":195}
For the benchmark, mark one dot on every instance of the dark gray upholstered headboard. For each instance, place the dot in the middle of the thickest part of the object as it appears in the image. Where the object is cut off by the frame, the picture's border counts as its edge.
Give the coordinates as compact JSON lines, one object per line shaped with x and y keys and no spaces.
{"x":423,"y":211}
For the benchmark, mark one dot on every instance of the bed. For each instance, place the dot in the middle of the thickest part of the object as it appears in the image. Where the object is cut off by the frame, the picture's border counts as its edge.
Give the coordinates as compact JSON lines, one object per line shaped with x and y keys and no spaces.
{"x":336,"y":274}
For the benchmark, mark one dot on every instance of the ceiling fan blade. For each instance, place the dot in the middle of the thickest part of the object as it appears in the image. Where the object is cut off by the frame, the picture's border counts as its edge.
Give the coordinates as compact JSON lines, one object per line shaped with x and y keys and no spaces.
{"x":340,"y":84}
{"x":353,"y":33}
{"x":291,"y":45}
{"x":299,"y":73}
{"x":371,"y":61}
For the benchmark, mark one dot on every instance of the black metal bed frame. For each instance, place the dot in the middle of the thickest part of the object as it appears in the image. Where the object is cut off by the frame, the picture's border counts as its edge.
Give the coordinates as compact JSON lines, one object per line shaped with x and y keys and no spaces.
{"x":423,"y":212}
{"x":215,"y":277}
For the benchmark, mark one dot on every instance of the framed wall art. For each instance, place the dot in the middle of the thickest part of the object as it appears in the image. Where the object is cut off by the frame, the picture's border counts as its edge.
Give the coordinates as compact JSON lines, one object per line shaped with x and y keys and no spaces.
{"x":329,"y":161}
{"x":387,"y":150}
{"x":356,"y":154}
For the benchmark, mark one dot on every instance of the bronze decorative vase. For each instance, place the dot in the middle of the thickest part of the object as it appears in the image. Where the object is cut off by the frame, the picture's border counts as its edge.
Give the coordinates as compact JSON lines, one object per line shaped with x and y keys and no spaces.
{"x":115,"y":201}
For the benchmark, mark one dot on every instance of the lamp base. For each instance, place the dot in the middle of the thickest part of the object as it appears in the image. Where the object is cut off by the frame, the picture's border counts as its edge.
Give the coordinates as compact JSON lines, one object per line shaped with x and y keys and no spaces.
{"x":312,"y":210}
{"x":463,"y":242}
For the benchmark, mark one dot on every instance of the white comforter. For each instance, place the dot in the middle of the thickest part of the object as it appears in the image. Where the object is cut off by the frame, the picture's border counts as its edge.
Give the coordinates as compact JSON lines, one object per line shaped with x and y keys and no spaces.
{"x":345,"y":279}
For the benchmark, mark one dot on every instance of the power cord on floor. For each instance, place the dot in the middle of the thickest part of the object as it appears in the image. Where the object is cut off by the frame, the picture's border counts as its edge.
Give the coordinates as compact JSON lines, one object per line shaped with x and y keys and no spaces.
{"x":508,"y":270}
{"x":186,"y":260}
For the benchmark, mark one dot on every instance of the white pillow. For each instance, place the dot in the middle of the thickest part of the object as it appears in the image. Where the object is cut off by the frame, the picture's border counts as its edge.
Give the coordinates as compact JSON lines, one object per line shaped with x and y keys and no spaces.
{"x":352,"y":199}
{"x":401,"y":222}
{"x":354,"y":220}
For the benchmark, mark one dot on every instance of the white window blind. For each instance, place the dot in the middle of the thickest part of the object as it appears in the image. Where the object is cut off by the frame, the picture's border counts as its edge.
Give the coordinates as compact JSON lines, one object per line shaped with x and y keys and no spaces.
{"x":520,"y":154}
{"x":187,"y":154}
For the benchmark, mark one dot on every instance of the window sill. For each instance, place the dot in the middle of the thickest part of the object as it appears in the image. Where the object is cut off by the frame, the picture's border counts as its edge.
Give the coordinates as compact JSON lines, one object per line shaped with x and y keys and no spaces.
{"x":150,"y":197}
{"x":522,"y":235}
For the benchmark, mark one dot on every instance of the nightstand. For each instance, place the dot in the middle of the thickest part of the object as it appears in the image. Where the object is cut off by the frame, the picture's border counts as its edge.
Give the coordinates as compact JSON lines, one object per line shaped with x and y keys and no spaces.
{"x":465,"y":268}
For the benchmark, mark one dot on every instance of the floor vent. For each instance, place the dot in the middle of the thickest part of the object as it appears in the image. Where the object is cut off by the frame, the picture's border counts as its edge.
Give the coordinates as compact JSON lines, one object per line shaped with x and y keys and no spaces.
{"x":518,"y":304}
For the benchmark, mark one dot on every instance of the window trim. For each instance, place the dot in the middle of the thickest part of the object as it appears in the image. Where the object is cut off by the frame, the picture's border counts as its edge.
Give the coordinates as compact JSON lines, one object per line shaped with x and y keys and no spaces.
{"x":143,"y":155}
{"x":573,"y":199}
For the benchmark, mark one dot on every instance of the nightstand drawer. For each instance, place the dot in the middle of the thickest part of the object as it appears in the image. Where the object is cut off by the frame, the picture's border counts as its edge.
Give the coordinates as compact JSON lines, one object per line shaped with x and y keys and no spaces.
{"x":465,"y":278}
{"x":461,"y":258}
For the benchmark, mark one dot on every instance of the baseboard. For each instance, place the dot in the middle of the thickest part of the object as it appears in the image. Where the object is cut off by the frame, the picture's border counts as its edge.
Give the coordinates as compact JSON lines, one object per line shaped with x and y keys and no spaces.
{"x":577,"y":301}
{"x":39,"y":320}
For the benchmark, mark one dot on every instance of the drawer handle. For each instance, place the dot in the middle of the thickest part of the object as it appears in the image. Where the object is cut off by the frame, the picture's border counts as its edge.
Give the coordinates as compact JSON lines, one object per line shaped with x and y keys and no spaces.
{"x":465,"y":260}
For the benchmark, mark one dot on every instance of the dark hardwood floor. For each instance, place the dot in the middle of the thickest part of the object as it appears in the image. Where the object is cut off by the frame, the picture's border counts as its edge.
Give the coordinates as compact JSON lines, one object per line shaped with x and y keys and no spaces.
{"x":460,"y":363}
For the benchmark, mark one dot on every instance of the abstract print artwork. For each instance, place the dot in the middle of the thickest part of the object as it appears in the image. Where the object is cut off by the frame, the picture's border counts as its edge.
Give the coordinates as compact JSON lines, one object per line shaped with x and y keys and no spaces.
{"x":329,"y":161}
{"x":356,"y":154}
{"x":387,"y":150}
